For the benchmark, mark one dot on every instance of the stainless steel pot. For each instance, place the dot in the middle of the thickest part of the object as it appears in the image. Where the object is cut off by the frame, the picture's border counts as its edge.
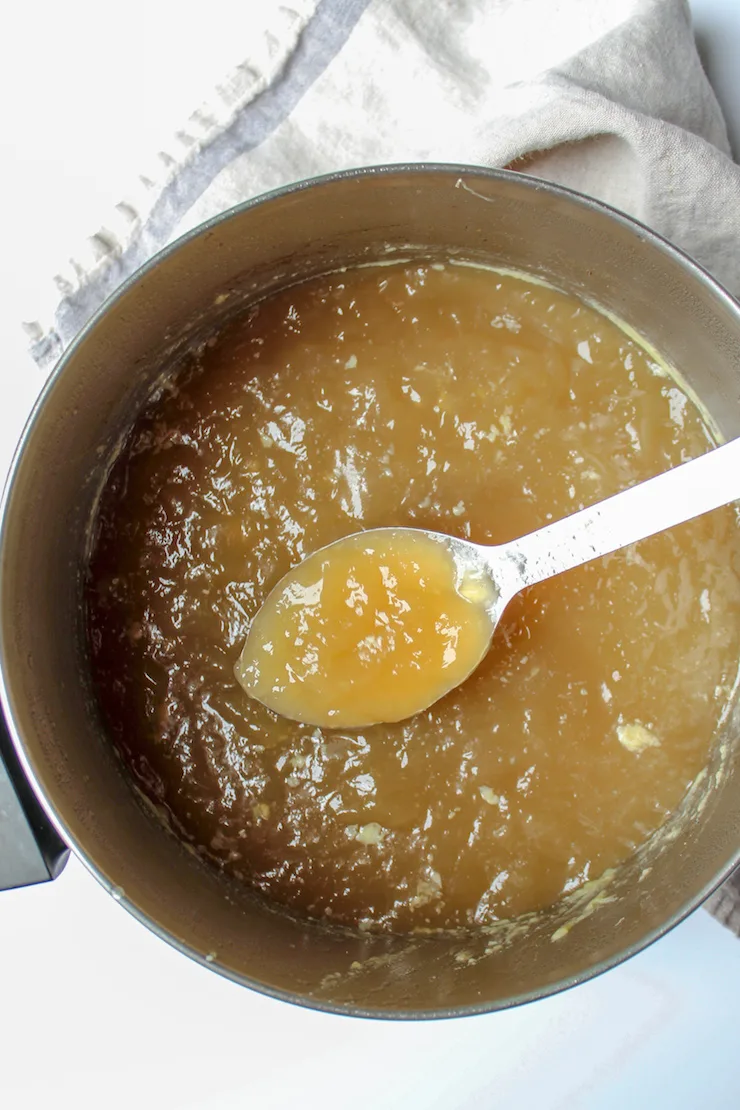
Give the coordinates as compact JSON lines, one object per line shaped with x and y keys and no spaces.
{"x":87,"y":405}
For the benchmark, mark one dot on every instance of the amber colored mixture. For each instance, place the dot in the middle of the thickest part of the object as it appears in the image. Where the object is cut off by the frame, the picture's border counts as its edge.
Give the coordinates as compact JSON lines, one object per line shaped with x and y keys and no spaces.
{"x":462,"y":401}
{"x":371,"y":629}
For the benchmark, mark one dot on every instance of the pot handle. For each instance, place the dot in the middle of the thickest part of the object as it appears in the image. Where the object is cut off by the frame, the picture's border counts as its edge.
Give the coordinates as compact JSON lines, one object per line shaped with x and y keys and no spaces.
{"x":31,"y":850}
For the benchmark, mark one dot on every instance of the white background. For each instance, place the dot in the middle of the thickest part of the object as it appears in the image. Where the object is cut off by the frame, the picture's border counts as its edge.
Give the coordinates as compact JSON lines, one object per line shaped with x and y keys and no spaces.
{"x":95,"y":1012}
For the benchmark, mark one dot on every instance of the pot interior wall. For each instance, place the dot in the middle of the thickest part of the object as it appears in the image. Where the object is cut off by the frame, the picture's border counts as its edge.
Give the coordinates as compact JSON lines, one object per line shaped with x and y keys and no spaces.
{"x":503,"y":219}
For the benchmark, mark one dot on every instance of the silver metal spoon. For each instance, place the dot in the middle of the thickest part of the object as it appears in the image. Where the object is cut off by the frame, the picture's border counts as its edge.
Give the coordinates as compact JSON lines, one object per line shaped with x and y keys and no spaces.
{"x":687,"y":491}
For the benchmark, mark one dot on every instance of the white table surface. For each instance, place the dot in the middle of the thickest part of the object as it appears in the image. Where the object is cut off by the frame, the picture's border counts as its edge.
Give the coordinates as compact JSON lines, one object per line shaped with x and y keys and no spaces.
{"x":95,"y":1012}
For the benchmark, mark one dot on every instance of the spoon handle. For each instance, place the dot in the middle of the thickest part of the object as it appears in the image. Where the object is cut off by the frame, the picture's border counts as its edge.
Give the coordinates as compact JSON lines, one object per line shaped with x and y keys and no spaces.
{"x":686,"y":491}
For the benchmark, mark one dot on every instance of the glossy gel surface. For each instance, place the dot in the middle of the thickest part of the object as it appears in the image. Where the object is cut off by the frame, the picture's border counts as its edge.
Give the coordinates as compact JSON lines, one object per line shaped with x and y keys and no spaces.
{"x":461,"y":401}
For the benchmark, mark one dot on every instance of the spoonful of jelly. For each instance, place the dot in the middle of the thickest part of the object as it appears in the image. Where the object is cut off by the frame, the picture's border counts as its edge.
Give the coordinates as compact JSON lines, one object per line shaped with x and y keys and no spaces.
{"x":381,"y":624}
